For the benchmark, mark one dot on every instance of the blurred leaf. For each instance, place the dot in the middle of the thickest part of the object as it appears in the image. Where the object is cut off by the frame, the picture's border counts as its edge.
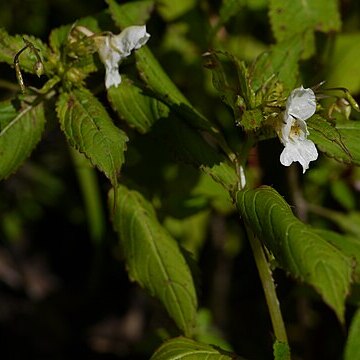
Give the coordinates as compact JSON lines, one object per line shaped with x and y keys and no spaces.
{"x":135,"y":107}
{"x":90,"y":130}
{"x":303,"y":18}
{"x":349,"y":245}
{"x":340,"y":142}
{"x":172,"y":9}
{"x":343,"y":63}
{"x":153,"y":257}
{"x":297,"y":247}
{"x":228,"y":9}
{"x":11,"y":45}
{"x":191,"y":148}
{"x":281,"y":351}
{"x":352,"y":347}
{"x":20,"y":131}
{"x":343,"y":194}
{"x":181,"y":348}
{"x":132,"y":13}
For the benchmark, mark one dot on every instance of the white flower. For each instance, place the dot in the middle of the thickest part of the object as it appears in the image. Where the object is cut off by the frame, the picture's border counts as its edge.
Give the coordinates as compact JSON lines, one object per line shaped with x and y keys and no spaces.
{"x":113,"y":49}
{"x":300,"y":106}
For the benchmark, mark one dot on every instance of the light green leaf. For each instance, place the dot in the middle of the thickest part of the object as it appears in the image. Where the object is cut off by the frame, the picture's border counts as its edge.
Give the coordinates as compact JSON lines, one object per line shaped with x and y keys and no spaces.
{"x":303,"y":18}
{"x":137,"y":108}
{"x":342,"y":192}
{"x":297,"y":248}
{"x":343,"y":63}
{"x":352,"y":347}
{"x":340,"y":142}
{"x":153,"y":257}
{"x":89,"y":129}
{"x":20,"y":131}
{"x":172,"y":9}
{"x":185,"y":349}
{"x":10,"y":45}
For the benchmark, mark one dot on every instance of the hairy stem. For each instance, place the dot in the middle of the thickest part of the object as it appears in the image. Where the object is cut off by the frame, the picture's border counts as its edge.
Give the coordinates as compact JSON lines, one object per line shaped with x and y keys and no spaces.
{"x":268,"y":285}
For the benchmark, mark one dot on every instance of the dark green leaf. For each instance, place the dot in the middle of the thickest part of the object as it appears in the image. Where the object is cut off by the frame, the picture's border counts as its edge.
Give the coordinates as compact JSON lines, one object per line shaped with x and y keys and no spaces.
{"x":352,"y":347}
{"x":156,"y":78}
{"x":190,"y":147}
{"x":20,"y":131}
{"x":340,"y":142}
{"x":297,"y":247}
{"x":90,"y":130}
{"x":181,"y":348}
{"x":135,"y":107}
{"x":153,"y":257}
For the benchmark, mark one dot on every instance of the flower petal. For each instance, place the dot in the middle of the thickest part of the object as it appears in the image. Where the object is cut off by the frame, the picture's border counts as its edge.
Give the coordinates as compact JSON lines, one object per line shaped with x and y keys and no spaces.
{"x":302,"y":151}
{"x":131,"y":38}
{"x":301,"y":104}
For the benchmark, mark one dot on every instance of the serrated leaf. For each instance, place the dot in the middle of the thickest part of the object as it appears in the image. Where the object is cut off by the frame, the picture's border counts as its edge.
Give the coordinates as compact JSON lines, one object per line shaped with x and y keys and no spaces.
{"x":297,"y":248}
{"x":153,"y":257}
{"x":135,"y":107}
{"x":340,"y":142}
{"x":11,"y":45}
{"x":90,"y":130}
{"x":303,"y":18}
{"x":20,"y":131}
{"x":349,"y":245}
{"x":182,"y":348}
{"x":352,"y":347}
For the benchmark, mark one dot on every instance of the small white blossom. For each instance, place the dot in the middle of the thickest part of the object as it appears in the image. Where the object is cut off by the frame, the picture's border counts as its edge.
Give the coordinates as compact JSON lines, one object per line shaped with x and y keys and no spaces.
{"x":113,"y":49}
{"x":300,"y":106}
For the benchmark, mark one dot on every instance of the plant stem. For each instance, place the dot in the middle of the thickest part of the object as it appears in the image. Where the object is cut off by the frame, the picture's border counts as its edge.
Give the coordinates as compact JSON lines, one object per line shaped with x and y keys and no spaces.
{"x":268,"y":286}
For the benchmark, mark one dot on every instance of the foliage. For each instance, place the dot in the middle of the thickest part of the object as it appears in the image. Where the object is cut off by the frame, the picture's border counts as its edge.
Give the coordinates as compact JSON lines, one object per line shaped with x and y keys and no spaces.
{"x":182,"y":152}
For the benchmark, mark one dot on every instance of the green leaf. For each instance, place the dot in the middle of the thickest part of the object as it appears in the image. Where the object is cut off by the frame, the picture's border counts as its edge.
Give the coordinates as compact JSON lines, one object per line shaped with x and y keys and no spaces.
{"x":296,"y":246}
{"x":156,"y":78}
{"x":352,"y":347}
{"x":280,"y":61}
{"x":172,"y":9}
{"x":343,"y":63}
{"x":340,"y":142}
{"x":89,"y":129}
{"x":281,"y":350}
{"x":153,"y":257}
{"x":135,"y":107}
{"x":190,"y":147}
{"x":343,"y":194}
{"x":349,"y":245}
{"x":11,"y":45}
{"x":20,"y":131}
{"x":303,"y":18}
{"x":132,"y":13}
{"x":182,"y":348}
